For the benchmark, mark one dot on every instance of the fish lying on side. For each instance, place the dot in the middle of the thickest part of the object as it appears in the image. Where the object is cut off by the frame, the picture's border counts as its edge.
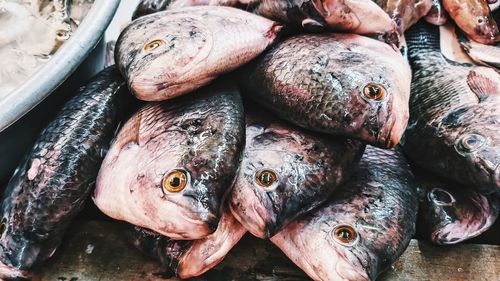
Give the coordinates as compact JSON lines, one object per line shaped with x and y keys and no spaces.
{"x":363,"y":228}
{"x":51,"y":185}
{"x":450,"y":213}
{"x":474,"y":18}
{"x":286,"y":172}
{"x":437,"y":15}
{"x":191,"y":258}
{"x":172,"y":163}
{"x":454,"y":114}
{"x":171,"y":53}
{"x":322,"y":83}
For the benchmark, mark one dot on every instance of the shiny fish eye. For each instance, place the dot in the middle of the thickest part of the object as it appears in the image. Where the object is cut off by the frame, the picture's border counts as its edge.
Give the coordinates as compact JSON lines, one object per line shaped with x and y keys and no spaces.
{"x":470,"y":143}
{"x":345,"y":235}
{"x":3,"y":226}
{"x":175,"y":181}
{"x":153,"y":45}
{"x":62,"y":35}
{"x":373,"y":91}
{"x":266,"y":178}
{"x":441,"y":197}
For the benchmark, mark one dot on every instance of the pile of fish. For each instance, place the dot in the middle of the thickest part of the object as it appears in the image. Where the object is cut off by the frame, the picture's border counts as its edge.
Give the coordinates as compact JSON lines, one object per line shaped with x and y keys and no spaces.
{"x":337,"y":129}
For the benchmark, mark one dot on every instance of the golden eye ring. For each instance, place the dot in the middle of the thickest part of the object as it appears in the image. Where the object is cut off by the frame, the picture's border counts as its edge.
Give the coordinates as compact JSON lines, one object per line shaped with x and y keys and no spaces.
{"x":151,"y":46}
{"x":345,"y":235}
{"x":266,"y":178}
{"x":374,"y":92}
{"x":175,"y":181}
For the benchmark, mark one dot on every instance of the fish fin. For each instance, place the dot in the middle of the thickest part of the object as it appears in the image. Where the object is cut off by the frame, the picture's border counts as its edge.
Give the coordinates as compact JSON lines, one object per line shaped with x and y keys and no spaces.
{"x":484,"y":82}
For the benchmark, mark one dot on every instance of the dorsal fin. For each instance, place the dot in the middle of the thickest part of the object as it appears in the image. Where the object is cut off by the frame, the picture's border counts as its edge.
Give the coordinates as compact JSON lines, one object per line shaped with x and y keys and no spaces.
{"x":484,"y":82}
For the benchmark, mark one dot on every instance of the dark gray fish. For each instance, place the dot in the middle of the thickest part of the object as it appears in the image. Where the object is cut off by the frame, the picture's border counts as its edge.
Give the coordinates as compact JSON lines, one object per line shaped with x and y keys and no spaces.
{"x":363,"y":228}
{"x":188,"y":259}
{"x":450,"y":213}
{"x":286,"y":172}
{"x":340,"y":84}
{"x":172,"y":53}
{"x":146,"y":7}
{"x":437,"y":15}
{"x":51,"y":185}
{"x":172,"y":163}
{"x":454,"y":114}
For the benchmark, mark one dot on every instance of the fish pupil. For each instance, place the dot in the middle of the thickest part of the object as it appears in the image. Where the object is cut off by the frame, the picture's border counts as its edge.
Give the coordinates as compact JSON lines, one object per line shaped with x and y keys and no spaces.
{"x":345,"y":235}
{"x":266,"y":178}
{"x":175,"y":181}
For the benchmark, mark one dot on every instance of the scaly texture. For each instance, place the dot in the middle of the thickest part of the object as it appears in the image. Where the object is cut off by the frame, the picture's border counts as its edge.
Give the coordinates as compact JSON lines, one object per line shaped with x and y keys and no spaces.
{"x":52,"y":183}
{"x":320,"y":82}
{"x":171,"y":53}
{"x":454,"y":114}
{"x":172,"y":163}
{"x":377,"y":210}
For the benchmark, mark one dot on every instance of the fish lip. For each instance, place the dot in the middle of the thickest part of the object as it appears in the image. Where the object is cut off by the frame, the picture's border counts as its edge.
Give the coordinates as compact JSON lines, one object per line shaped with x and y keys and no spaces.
{"x":10,"y":272}
{"x":255,"y":219}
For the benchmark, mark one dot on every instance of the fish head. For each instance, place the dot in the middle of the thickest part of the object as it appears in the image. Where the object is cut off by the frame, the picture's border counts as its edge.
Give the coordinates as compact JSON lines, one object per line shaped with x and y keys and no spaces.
{"x":486,"y":29}
{"x":452,"y":214}
{"x":476,"y":20}
{"x":375,"y":84}
{"x":151,"y":58}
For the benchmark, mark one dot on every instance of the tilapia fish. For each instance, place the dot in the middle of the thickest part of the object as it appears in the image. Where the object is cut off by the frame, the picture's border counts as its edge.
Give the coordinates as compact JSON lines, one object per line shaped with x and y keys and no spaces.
{"x":454,"y":114}
{"x":451,"y":213}
{"x":172,"y":53}
{"x":437,"y":15}
{"x":172,"y":163}
{"x":363,"y":228}
{"x":51,"y":185}
{"x":191,"y":258}
{"x":341,"y":84}
{"x":286,"y":172}
{"x":474,"y":18}
{"x":405,"y":12}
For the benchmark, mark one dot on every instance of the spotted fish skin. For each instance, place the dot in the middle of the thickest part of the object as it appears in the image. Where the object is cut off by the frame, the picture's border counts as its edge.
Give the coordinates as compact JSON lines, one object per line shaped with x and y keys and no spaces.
{"x":172,"y":53}
{"x":450,"y":213}
{"x":200,"y":136}
{"x":318,"y":82}
{"x":308,"y":169}
{"x":378,"y":204}
{"x":51,"y":185}
{"x":454,"y":114}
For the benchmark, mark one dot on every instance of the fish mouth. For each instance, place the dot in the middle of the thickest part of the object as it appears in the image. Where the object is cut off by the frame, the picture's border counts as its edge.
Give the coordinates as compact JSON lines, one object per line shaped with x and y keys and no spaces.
{"x":10,"y":273}
{"x":391,"y":133}
{"x":254,"y":222}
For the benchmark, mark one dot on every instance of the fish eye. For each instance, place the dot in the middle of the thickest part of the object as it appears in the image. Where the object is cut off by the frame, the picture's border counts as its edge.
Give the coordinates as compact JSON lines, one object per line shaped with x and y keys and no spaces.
{"x":62,"y":34}
{"x":441,"y":197}
{"x":470,"y":142}
{"x":345,"y":235}
{"x":149,"y":47}
{"x":3,"y":226}
{"x":480,"y":20}
{"x":374,"y":91}
{"x":266,"y":178}
{"x":175,"y":181}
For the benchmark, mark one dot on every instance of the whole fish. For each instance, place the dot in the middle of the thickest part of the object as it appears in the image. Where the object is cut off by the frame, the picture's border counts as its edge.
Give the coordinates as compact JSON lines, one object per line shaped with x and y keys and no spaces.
{"x":454,"y":114}
{"x":191,"y":258}
{"x":322,"y":83}
{"x":405,"y":12}
{"x":146,"y":7}
{"x":171,"y":53}
{"x":172,"y":163}
{"x":355,"y":16}
{"x":474,"y":18}
{"x":450,"y":213}
{"x":363,"y":228}
{"x":286,"y":172}
{"x":51,"y":185}
{"x":437,"y":15}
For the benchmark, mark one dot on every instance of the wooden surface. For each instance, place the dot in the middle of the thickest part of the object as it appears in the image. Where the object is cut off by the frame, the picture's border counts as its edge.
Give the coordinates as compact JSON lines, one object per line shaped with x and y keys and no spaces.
{"x":98,"y":251}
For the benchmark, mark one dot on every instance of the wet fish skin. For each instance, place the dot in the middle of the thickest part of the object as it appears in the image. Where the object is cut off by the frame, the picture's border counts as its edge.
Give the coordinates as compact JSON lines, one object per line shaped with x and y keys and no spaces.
{"x":474,"y":18}
{"x":308,"y":169}
{"x":318,"y":82}
{"x":199,"y":139}
{"x":451,"y":213}
{"x":377,"y":208}
{"x":146,"y":7}
{"x":161,"y":61}
{"x":455,"y":108}
{"x":51,"y":185}
{"x":405,"y":13}
{"x":191,"y":258}
{"x":437,"y":15}
{"x":487,"y":55}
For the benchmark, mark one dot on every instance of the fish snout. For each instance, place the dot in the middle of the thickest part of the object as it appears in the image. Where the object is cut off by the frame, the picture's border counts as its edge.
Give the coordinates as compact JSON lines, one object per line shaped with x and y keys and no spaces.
{"x":393,"y":130}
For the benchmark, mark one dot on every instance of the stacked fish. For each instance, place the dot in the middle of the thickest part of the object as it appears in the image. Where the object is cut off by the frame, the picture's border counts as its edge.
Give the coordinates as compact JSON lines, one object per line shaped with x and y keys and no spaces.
{"x":258,"y":118}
